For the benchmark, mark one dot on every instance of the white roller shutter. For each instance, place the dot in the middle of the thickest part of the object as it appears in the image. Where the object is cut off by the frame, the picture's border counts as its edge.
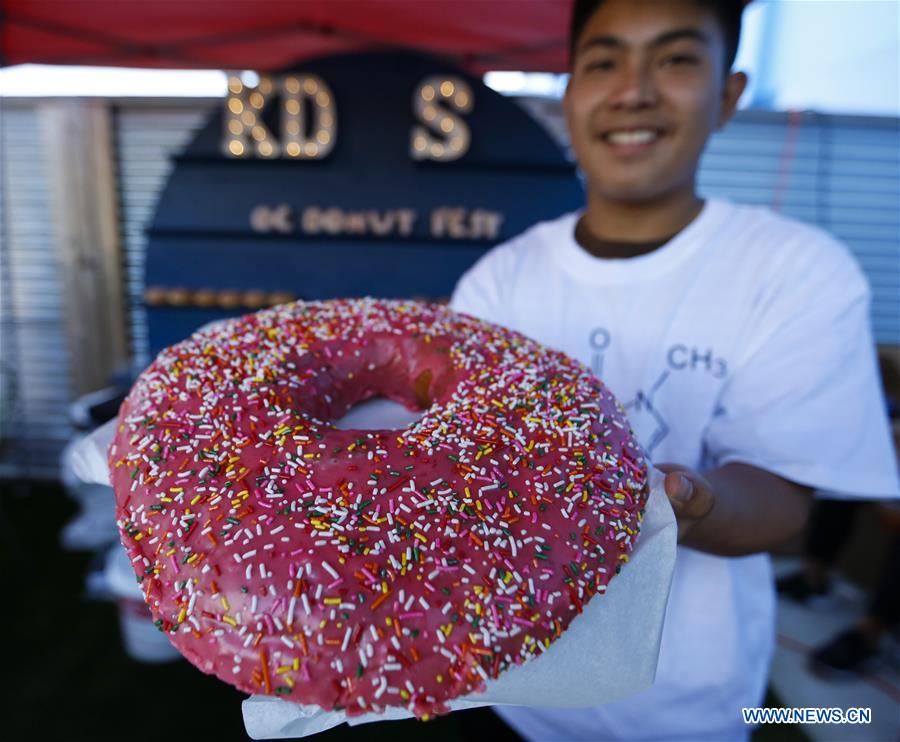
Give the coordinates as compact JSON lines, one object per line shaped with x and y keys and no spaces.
{"x":148,"y":136}
{"x":34,"y":358}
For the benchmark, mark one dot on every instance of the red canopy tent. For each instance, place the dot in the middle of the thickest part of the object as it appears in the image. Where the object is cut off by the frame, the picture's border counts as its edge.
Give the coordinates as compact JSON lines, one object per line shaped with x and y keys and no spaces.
{"x":266,"y":35}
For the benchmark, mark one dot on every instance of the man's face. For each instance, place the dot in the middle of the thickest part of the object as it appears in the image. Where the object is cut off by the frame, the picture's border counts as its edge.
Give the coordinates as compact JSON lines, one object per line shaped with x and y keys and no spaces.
{"x":647,"y":89}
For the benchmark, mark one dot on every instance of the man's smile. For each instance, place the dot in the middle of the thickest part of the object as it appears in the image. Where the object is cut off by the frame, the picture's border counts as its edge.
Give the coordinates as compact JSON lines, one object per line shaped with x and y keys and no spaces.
{"x":630,"y":140}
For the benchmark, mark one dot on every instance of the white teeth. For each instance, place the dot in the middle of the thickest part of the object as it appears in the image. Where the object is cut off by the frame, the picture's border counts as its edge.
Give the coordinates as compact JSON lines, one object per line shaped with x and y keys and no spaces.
{"x":641,"y":136}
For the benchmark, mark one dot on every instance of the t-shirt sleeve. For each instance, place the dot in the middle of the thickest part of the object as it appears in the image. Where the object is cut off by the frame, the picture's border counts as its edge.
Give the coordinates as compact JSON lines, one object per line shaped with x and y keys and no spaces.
{"x":480,"y":290}
{"x":805,"y":399}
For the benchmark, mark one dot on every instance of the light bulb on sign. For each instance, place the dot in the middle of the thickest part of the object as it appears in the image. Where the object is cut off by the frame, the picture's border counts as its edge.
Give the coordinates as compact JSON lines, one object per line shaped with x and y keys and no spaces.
{"x":245,"y":134}
{"x":301,"y":94}
{"x":443,"y":135}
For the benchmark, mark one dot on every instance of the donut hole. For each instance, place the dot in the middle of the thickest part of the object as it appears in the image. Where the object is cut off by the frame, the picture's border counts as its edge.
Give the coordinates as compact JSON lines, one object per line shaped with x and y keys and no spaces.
{"x":378,"y":413}
{"x":388,"y":383}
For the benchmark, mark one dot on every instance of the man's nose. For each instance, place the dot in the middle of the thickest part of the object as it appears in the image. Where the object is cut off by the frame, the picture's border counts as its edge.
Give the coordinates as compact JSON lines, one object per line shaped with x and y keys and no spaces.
{"x":635,"y":86}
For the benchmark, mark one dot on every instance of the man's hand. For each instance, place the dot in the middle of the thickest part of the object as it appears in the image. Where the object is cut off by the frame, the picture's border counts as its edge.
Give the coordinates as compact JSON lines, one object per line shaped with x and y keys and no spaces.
{"x":734,"y":510}
{"x":691,"y":496}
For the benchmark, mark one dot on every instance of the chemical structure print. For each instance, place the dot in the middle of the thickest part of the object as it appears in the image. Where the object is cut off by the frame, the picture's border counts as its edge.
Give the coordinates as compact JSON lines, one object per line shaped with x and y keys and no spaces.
{"x":648,"y":422}
{"x":599,"y":341}
{"x":643,"y":403}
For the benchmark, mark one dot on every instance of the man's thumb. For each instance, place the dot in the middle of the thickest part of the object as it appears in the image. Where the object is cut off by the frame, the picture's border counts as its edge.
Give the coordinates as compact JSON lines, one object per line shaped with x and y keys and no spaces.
{"x":679,"y":487}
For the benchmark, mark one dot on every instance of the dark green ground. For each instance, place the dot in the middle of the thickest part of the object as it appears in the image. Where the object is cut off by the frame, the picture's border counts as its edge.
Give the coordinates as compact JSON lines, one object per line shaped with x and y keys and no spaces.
{"x":67,"y":679}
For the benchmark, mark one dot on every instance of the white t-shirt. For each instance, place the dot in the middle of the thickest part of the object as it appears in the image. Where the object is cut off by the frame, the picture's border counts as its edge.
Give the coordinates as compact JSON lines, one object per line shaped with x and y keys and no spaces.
{"x":744,"y":338}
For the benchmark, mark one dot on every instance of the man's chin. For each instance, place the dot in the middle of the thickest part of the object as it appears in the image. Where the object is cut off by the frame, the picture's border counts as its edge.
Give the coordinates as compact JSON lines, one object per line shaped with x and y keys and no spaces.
{"x":630,"y":194}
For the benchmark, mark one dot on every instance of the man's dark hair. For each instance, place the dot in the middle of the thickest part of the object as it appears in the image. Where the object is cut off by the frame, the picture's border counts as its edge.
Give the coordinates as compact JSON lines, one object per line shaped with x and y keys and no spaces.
{"x":727,"y":12}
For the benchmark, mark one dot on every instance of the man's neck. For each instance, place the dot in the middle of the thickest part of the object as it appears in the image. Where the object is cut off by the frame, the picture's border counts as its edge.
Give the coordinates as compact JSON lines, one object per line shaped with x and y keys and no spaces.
{"x":647,"y":221}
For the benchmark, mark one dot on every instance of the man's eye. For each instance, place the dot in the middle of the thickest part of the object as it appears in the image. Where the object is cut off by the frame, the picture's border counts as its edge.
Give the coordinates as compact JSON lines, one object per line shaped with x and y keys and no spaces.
{"x":680,"y":59}
{"x":600,"y":64}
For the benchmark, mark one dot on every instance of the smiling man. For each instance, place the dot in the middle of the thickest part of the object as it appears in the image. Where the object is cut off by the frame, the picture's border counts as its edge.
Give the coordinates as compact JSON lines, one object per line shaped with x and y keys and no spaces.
{"x":649,"y":84}
{"x":737,"y":339}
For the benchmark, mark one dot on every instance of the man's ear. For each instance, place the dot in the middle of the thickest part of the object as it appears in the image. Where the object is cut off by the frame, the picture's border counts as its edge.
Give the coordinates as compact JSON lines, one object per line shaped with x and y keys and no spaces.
{"x":735,"y":84}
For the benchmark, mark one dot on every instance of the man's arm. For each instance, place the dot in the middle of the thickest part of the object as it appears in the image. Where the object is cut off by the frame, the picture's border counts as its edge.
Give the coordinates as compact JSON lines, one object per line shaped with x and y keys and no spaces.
{"x":736,"y":509}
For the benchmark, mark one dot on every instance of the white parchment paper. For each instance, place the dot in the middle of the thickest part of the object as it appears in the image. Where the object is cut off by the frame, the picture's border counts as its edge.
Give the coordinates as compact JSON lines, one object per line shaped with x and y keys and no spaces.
{"x":89,"y":455}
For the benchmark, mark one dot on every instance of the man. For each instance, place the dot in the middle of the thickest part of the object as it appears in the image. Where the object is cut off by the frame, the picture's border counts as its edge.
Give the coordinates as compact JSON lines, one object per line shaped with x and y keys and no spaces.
{"x":737,"y":339}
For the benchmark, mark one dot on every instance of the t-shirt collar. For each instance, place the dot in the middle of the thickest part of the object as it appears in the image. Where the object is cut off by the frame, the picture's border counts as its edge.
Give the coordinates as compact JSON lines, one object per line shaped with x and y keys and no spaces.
{"x":579,"y":263}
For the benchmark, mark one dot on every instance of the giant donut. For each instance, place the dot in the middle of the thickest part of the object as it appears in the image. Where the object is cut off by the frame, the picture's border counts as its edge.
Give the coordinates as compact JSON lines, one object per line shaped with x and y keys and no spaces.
{"x":362,"y":569}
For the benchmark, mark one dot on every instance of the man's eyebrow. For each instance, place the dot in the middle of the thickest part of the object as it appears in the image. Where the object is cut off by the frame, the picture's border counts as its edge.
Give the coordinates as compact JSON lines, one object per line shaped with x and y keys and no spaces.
{"x":610,"y":42}
{"x":677,"y":34}
{"x":680,"y":33}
